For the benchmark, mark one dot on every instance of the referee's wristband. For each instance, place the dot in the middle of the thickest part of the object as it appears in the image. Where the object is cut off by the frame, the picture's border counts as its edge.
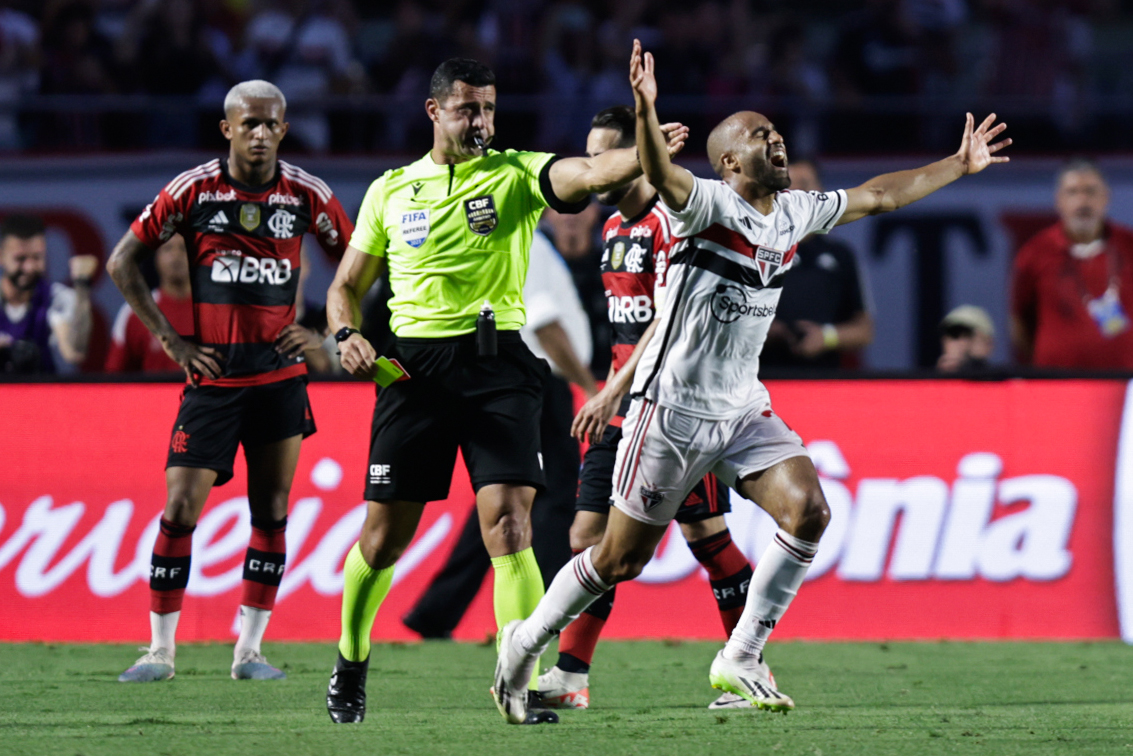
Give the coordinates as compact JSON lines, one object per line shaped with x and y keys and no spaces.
{"x":344,"y":333}
{"x":830,"y":336}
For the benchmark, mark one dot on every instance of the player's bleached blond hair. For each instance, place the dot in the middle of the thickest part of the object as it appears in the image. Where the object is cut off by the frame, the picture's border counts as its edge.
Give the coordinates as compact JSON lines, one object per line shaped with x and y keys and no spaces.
{"x":253,"y":89}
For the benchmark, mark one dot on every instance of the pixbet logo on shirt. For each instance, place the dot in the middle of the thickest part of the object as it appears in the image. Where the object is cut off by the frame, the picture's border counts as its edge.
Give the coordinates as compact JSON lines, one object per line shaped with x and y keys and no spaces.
{"x":234,"y":267}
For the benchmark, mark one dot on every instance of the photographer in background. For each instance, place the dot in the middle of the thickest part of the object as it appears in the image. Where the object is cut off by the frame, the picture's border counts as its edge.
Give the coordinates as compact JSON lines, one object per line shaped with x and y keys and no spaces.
{"x":967,"y":340}
{"x":40,"y":320}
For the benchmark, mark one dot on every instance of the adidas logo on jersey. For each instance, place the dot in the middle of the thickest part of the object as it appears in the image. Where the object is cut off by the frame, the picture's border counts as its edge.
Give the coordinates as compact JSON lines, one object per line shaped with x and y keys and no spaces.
{"x":218,"y":221}
{"x":248,"y":269}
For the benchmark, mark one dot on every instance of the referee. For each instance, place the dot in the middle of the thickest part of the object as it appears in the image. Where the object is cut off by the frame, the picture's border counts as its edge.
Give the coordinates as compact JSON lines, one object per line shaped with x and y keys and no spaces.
{"x":454,"y":231}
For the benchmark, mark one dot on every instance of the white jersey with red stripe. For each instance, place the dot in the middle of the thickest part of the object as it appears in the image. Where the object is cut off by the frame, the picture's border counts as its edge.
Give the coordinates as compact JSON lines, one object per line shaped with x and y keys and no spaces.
{"x":723,"y":283}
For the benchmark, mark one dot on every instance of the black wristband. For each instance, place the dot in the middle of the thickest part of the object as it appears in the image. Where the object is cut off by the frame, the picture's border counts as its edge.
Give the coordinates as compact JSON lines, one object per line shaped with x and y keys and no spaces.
{"x":344,"y":333}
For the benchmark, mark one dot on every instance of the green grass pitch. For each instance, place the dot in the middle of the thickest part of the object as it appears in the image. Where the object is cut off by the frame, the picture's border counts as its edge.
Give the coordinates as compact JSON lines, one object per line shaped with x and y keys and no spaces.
{"x":432,"y":699}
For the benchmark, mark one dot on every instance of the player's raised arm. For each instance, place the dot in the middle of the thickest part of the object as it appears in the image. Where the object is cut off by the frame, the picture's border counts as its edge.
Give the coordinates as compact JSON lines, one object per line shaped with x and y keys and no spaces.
{"x":355,"y":275}
{"x":672,"y":182}
{"x":574,"y":179}
{"x":890,"y":191}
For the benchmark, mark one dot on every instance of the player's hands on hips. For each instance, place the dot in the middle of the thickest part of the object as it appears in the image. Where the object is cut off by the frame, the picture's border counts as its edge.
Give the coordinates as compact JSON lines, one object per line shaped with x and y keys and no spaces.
{"x":294,"y":339}
{"x":976,"y":149}
{"x":641,"y":76}
{"x":591,"y":421}
{"x":196,"y":360}
{"x":358,"y":357}
{"x":676,"y":134}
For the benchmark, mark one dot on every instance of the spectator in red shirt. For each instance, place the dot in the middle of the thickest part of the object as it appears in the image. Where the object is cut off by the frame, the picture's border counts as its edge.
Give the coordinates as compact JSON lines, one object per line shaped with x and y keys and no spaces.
{"x":133,"y":348}
{"x":1073,"y":289}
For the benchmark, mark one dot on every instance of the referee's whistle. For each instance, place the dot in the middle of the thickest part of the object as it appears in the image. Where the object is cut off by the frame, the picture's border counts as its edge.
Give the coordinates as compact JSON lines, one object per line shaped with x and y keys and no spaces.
{"x":486,"y":331}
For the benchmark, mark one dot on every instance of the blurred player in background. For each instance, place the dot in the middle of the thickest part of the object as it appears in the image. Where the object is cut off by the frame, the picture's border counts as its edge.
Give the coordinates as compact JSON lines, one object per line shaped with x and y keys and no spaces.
{"x":637,"y":240}
{"x":698,"y":407}
{"x":454,"y":229}
{"x":243,"y":221}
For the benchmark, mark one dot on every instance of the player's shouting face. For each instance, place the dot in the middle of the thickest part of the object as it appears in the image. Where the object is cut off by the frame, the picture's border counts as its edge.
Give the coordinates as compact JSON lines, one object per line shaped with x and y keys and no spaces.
{"x":748,"y":144}
{"x":464,"y":121}
{"x":255,"y":127}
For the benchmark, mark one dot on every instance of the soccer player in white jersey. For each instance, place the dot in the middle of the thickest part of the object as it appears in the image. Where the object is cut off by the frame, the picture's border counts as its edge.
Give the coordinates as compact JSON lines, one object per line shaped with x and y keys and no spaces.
{"x":699,"y":407}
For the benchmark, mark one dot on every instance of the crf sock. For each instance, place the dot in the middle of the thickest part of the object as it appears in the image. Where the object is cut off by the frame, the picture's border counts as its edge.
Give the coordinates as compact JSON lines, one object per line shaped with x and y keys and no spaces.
{"x":728,"y":573}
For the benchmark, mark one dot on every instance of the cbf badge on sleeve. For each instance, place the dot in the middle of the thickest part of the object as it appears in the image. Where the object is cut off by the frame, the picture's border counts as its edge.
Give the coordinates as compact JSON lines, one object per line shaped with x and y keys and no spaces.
{"x":1108,"y":313}
{"x":415,"y":227}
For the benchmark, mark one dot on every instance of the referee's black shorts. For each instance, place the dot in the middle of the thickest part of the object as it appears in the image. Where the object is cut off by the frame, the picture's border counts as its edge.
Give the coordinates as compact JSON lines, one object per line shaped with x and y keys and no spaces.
{"x":488,"y":407}
{"x":708,"y":499}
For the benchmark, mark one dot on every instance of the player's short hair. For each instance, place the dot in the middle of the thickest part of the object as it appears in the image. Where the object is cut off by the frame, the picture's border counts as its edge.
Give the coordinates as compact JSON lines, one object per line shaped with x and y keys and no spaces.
{"x":22,"y":227}
{"x":471,"y":72}
{"x":1078,"y":165}
{"x":253,"y":89}
{"x":619,"y":118}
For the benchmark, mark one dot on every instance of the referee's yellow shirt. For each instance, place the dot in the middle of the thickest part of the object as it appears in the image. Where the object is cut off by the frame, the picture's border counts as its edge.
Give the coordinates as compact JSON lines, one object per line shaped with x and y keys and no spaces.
{"x":455,"y":236}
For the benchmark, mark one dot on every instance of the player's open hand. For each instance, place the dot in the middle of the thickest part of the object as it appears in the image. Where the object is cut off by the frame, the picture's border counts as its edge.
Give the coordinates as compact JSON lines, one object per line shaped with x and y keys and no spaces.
{"x":976,"y":148}
{"x":641,"y":76}
{"x":358,"y":357}
{"x":294,"y":340}
{"x":676,"y":134}
{"x":591,"y":421}
{"x":194,"y":359}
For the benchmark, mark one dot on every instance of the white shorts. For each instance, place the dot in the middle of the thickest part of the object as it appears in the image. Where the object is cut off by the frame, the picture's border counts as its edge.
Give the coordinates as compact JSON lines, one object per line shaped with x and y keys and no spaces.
{"x":664,"y":452}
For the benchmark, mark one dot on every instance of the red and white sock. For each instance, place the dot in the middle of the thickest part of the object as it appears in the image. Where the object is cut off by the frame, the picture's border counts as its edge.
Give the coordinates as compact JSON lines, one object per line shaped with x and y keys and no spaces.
{"x":579,"y":639}
{"x":263,"y":570}
{"x":168,"y":577}
{"x":728,"y":573}
{"x":575,"y":587}
{"x":774,"y":583}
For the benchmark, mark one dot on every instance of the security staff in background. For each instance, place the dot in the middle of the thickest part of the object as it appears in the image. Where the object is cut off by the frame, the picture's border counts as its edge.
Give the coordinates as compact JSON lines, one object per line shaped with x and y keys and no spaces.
{"x":558,"y":330}
{"x":824,"y":312}
{"x":454,"y":230}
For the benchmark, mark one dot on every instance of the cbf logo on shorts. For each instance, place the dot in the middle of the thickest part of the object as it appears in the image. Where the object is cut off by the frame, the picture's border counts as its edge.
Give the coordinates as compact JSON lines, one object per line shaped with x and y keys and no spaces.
{"x":415,"y":227}
{"x":482,"y":217}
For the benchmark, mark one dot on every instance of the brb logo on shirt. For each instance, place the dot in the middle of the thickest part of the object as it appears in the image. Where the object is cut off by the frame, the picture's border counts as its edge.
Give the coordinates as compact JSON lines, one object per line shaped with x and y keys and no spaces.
{"x":236,"y":268}
{"x":729,"y":304}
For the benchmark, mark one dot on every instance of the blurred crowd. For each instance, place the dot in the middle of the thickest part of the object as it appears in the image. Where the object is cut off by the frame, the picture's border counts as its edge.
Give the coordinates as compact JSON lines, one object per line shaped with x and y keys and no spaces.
{"x":841,"y":77}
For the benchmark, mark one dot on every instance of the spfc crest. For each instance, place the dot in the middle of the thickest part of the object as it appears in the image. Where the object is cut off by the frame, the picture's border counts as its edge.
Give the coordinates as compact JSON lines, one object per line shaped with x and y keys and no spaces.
{"x":482,"y":217}
{"x":650,"y":498}
{"x":415,"y":227}
{"x":769,"y":262}
{"x":617,"y":255}
{"x":250,"y":216}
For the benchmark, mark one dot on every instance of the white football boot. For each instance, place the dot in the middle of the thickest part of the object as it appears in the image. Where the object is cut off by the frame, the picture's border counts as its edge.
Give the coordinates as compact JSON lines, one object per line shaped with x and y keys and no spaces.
{"x":565,"y":690}
{"x":730,"y":701}
{"x":751,"y":680}
{"x":513,"y":674}
{"x":156,"y":665}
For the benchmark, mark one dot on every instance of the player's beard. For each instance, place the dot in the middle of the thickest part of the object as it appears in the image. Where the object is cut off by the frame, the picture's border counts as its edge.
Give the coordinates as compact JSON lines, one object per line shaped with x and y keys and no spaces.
{"x":770,"y":177}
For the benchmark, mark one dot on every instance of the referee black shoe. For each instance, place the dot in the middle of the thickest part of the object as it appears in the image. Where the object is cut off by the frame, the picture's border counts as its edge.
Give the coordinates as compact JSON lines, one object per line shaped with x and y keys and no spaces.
{"x":537,"y":711}
{"x":346,"y":694}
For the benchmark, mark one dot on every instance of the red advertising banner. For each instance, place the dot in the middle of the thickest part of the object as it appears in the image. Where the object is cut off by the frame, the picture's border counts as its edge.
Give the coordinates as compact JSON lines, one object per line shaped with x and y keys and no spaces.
{"x":960,"y":510}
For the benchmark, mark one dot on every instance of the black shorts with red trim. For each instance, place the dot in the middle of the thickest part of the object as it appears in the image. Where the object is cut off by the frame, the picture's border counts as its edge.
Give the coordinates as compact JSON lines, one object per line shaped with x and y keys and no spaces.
{"x":708,"y":499}
{"x":488,"y":407}
{"x":214,"y":420}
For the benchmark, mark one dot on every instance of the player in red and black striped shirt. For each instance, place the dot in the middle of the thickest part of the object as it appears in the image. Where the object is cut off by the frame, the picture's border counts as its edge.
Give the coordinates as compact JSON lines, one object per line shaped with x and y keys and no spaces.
{"x":636,"y":242}
{"x":243,"y":221}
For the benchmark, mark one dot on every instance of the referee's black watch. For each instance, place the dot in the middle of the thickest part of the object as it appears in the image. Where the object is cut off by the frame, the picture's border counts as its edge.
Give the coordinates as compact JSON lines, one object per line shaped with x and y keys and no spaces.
{"x":344,"y":334}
